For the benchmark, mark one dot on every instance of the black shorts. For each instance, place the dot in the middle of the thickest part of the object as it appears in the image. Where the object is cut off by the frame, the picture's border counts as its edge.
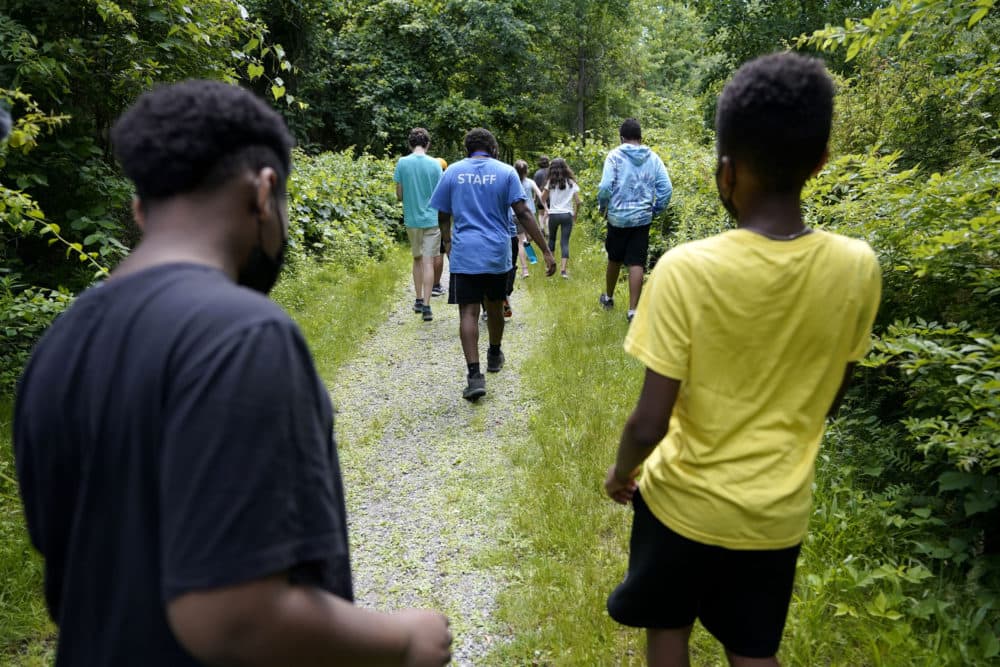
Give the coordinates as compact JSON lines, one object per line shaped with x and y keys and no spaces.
{"x":741,"y":597}
{"x":476,"y":287}
{"x":628,"y":245}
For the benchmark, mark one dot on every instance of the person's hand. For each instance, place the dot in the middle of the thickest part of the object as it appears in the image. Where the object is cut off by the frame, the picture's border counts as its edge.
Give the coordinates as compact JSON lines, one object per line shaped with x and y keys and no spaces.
{"x":550,"y":263}
{"x":447,"y":248}
{"x":429,"y":643}
{"x":620,"y":491}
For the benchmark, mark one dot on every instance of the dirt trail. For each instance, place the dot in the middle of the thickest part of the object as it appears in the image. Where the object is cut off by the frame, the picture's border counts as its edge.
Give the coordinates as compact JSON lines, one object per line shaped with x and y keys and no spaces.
{"x":425,"y":470}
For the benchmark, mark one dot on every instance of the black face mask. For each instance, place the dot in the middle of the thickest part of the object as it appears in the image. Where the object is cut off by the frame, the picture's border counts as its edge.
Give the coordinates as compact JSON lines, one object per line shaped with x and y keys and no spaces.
{"x":261,"y":271}
{"x":727,"y":202}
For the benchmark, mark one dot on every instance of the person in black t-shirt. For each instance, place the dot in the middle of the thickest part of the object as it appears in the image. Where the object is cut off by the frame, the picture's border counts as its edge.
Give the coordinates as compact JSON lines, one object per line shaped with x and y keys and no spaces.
{"x":173,"y":441}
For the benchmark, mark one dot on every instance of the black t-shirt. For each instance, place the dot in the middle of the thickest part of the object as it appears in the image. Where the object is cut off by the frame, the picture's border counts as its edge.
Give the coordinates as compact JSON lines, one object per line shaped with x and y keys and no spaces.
{"x":171,"y":435}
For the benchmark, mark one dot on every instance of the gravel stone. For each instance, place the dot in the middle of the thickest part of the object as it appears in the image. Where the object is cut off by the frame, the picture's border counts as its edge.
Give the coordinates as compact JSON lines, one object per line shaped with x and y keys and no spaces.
{"x":426,"y":471}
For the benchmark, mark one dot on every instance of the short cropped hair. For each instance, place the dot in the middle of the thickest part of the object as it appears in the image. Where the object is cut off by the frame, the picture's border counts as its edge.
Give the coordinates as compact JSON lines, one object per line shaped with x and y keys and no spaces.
{"x":774,"y":115}
{"x":481,"y":139}
{"x":630,"y":130}
{"x":419,"y":137}
{"x":197,"y":135}
{"x":543,"y":162}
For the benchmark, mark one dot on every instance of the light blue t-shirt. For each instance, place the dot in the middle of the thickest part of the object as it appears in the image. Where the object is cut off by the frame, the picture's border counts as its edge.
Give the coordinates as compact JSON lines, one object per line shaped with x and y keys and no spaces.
{"x":478,"y":194}
{"x":418,"y":174}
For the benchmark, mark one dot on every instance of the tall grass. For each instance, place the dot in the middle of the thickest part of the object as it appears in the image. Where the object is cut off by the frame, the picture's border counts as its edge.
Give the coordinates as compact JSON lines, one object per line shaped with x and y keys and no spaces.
{"x":330,"y":303}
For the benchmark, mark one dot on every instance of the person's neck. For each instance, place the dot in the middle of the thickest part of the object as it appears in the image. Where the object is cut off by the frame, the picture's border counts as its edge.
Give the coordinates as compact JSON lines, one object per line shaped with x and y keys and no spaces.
{"x":632,"y":142}
{"x":777,"y":216}
{"x":182,"y":234}
{"x":419,"y":150}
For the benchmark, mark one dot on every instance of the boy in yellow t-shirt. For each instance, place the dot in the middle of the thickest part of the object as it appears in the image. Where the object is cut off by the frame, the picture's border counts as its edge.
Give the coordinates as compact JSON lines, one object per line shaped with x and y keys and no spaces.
{"x":749,"y":339}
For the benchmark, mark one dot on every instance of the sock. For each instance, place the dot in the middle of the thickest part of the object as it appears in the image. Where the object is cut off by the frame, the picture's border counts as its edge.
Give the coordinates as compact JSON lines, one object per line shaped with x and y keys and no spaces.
{"x":494,"y":349}
{"x":631,"y":313}
{"x":418,"y":301}
{"x":474,"y":369}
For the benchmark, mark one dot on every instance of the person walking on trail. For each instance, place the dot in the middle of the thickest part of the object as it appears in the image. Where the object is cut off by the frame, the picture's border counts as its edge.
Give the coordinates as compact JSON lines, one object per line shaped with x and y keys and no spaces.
{"x":533,"y":193}
{"x":173,"y":441}
{"x":749,"y":339}
{"x":477,"y":193}
{"x":634,"y":188}
{"x":562,"y":197}
{"x":540,"y":176}
{"x":416,"y":176}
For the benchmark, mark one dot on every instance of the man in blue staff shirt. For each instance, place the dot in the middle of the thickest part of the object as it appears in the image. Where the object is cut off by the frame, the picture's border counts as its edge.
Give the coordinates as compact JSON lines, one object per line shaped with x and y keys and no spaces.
{"x":477,"y":192}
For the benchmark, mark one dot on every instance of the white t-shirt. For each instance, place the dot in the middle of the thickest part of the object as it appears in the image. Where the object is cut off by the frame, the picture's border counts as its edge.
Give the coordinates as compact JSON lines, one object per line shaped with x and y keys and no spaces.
{"x":561,"y":200}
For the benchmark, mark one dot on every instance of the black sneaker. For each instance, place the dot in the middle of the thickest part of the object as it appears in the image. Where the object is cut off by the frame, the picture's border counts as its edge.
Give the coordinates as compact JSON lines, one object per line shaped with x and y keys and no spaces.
{"x":494,"y":362}
{"x":418,"y":306}
{"x":607,"y":302}
{"x":437,"y":290}
{"x":427,"y":314}
{"x":476,"y":388}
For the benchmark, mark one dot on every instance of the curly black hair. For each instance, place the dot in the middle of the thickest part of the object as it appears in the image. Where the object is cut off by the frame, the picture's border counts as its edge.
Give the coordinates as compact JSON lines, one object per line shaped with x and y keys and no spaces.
{"x":419,"y":137}
{"x":195,"y":136}
{"x":631,"y":130}
{"x":481,"y":139}
{"x":775,"y":115}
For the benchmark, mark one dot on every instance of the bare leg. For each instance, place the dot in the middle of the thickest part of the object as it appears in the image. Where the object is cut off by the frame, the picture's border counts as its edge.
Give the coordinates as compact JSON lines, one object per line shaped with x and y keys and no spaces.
{"x":427,"y":278}
{"x":418,"y":278}
{"x":635,"y":273}
{"x":564,"y":261}
{"x":468,"y":330}
{"x":438,"y":268}
{"x":740,"y":661}
{"x":611,"y":277}
{"x":668,"y":648}
{"x":494,"y":309}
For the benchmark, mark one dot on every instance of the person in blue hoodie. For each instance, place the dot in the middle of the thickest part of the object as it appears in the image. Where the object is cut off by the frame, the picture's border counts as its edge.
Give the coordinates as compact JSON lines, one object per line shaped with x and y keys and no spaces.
{"x":634,"y":187}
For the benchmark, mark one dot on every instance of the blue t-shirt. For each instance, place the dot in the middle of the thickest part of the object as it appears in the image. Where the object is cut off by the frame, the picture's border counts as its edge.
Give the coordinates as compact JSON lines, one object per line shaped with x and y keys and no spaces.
{"x":418,"y":174}
{"x":478,"y":194}
{"x":171,"y":435}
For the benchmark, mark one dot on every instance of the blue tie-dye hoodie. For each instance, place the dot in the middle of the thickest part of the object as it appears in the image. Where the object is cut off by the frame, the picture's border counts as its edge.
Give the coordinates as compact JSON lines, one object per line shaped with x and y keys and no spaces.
{"x":634,"y":186}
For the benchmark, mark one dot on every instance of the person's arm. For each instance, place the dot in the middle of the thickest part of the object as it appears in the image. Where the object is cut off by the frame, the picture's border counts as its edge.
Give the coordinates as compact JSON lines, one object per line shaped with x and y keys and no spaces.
{"x":605,"y":186}
{"x":644,"y":429}
{"x":842,"y":391}
{"x":272,"y":622}
{"x":576,"y":203}
{"x":530,"y":225}
{"x":444,"y":224}
{"x":664,"y":189}
{"x":540,"y":197}
{"x":399,"y":192}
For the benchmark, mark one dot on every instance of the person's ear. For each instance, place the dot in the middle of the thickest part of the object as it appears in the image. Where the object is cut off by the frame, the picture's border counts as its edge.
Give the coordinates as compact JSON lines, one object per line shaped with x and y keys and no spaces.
{"x":264,"y":188}
{"x":138,"y":213}
{"x":725,"y":176}
{"x":822,"y":162}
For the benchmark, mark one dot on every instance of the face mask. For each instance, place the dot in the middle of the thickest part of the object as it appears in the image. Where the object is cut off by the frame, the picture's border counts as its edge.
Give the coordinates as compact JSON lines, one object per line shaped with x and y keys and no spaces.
{"x":261,"y":271}
{"x":727,"y":202}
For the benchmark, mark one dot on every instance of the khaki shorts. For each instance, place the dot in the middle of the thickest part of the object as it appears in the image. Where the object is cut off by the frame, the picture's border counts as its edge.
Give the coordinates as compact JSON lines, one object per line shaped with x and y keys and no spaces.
{"x":424,"y":241}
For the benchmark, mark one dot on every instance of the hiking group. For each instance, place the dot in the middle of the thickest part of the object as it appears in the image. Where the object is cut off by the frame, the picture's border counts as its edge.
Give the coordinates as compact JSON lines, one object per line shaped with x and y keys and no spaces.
{"x":174,"y":442}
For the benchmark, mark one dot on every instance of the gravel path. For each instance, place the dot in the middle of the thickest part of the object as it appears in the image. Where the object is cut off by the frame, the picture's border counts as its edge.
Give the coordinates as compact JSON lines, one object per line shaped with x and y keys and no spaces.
{"x":425,"y":471}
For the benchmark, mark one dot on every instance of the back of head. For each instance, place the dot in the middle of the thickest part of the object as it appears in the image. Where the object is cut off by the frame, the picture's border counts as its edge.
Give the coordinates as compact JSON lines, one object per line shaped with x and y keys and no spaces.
{"x":774,"y":116}
{"x":630,"y":130}
{"x":419,"y":137}
{"x":560,"y":175}
{"x":543,"y":162}
{"x":481,"y":139}
{"x":521,"y":167}
{"x":195,"y":136}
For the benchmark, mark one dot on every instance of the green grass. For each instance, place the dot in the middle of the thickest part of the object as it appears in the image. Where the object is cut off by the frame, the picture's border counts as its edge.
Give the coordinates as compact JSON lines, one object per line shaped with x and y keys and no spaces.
{"x":338,"y":308}
{"x":328,"y":303}
{"x":25,"y":629}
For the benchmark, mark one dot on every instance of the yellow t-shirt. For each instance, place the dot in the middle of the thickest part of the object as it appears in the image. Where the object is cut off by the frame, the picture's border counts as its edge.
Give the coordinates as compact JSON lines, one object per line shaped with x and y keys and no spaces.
{"x":759,"y":333}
